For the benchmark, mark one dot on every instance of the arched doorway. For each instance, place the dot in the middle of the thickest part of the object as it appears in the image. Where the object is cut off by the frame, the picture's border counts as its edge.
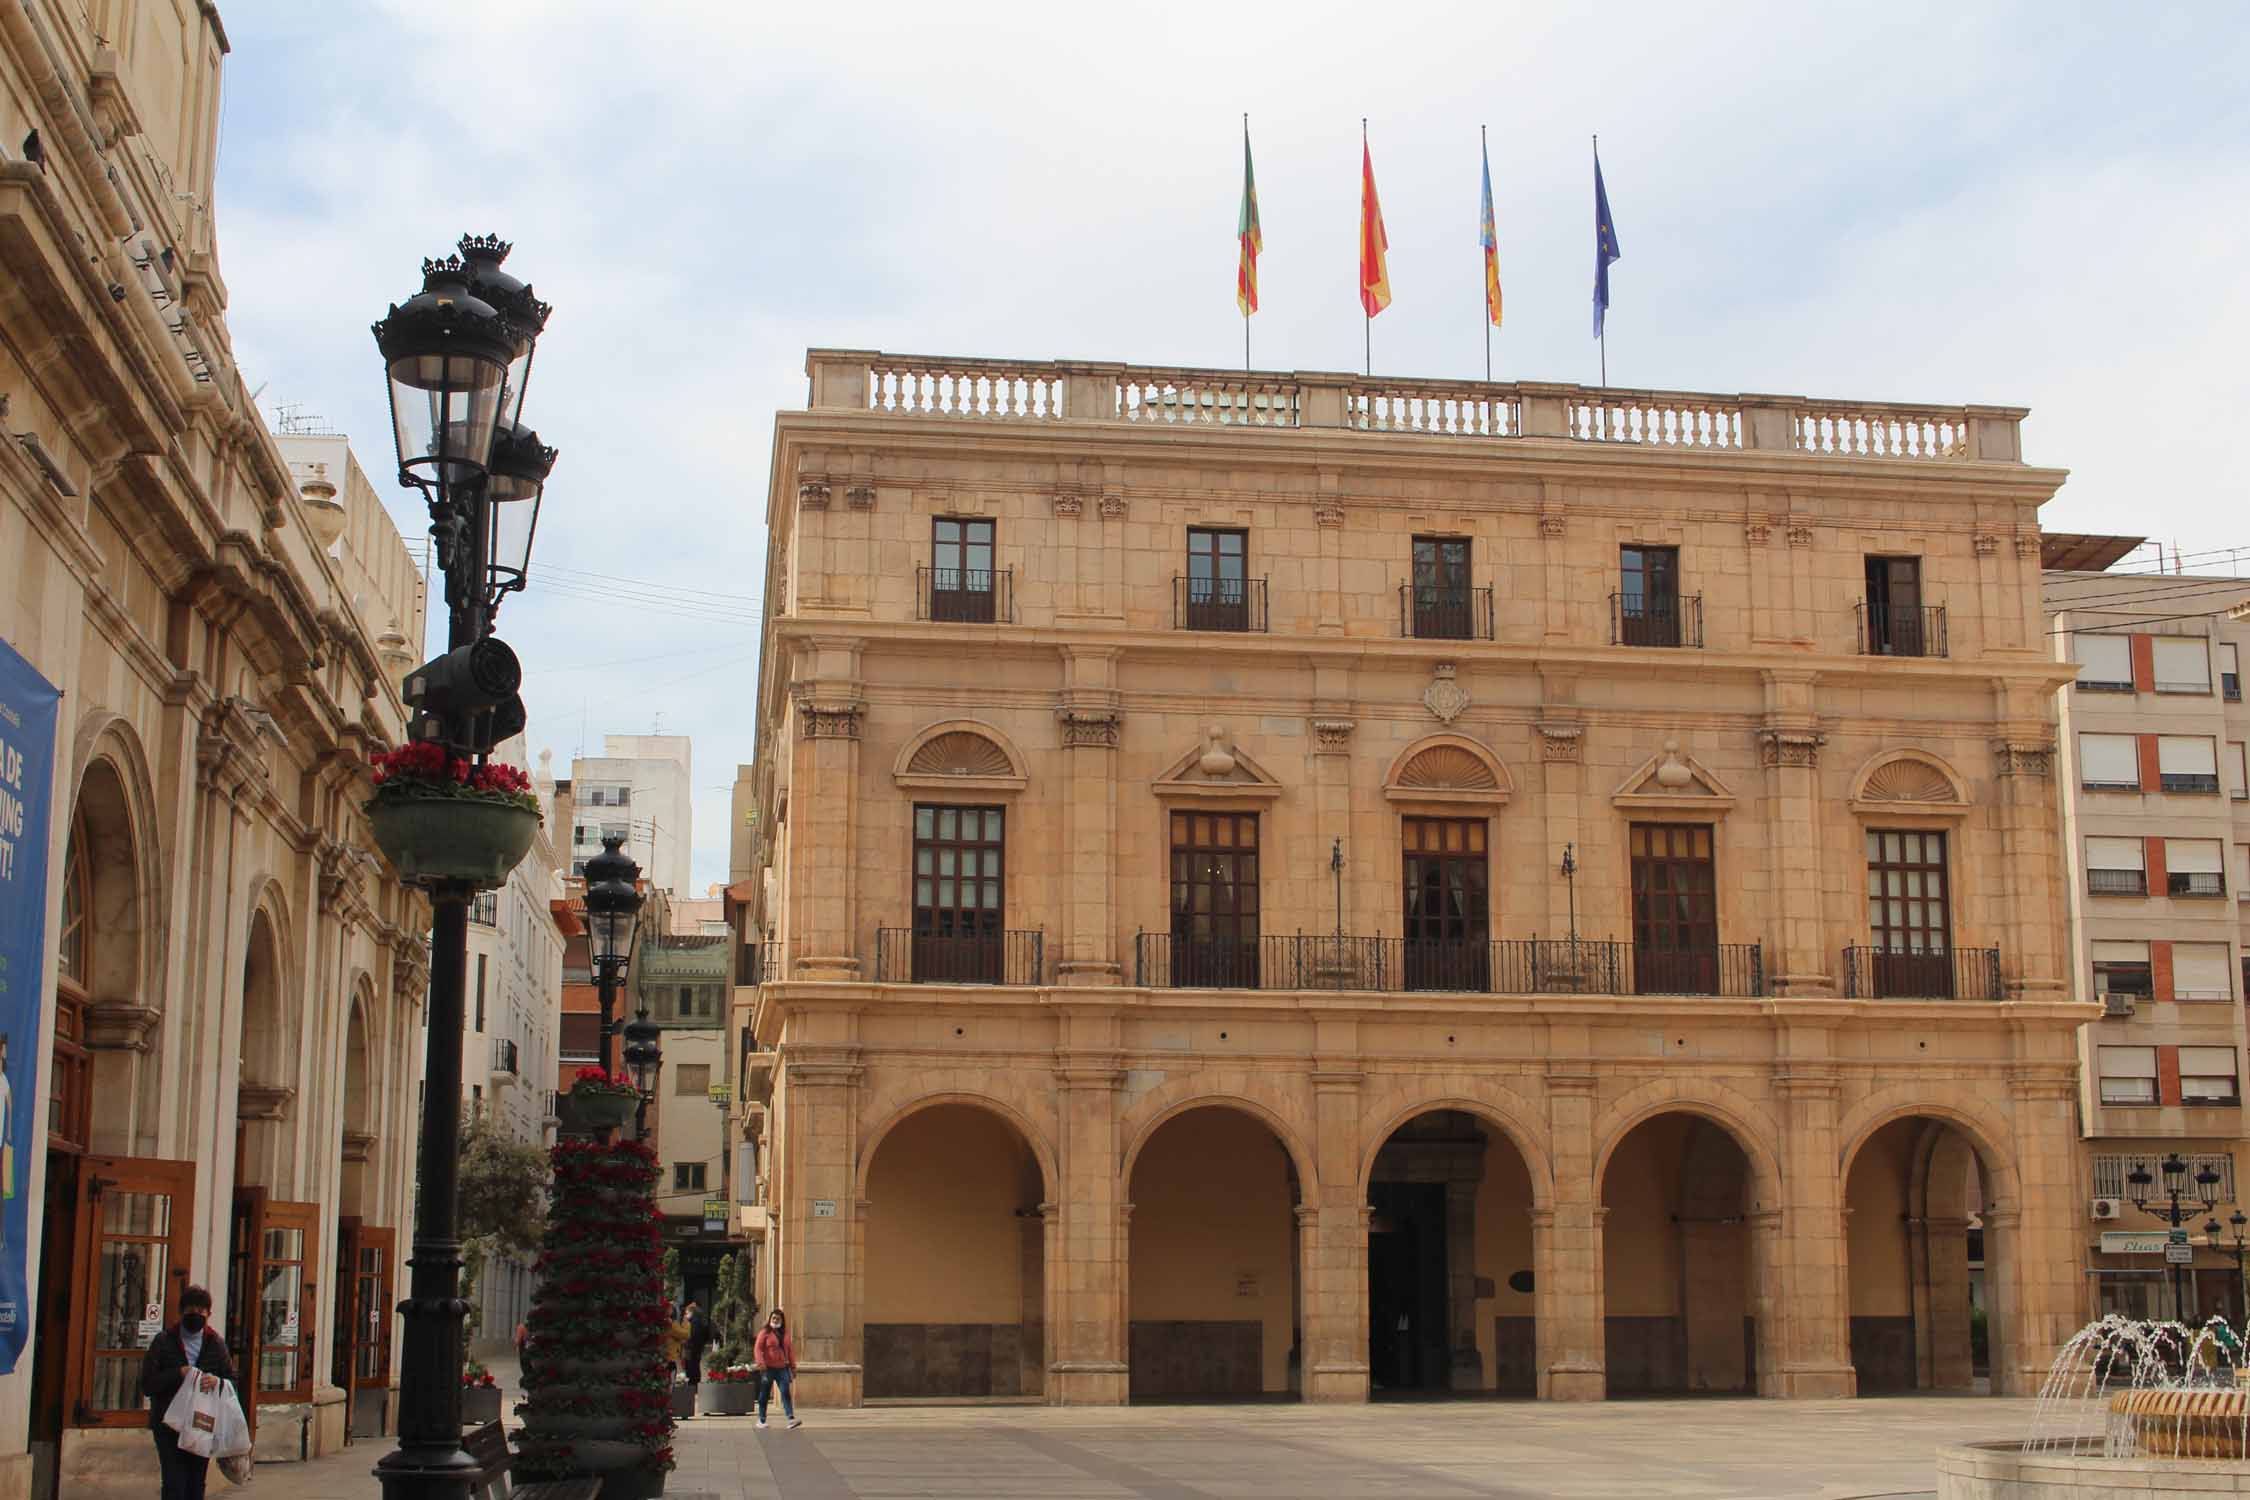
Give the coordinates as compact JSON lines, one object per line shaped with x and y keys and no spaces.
{"x":953,"y":1294}
{"x":1677,"y":1272}
{"x":1449,"y":1254}
{"x":1216,"y":1278}
{"x":1914,"y":1197}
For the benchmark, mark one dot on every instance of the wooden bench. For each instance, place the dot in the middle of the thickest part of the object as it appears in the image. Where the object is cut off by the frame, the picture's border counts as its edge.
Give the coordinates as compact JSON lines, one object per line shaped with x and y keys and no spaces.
{"x":488,"y":1445}
{"x":559,"y":1489}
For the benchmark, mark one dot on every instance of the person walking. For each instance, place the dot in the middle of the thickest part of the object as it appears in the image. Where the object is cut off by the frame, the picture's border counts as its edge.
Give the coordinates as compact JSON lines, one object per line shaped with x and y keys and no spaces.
{"x":698,"y":1340}
{"x":190,"y":1344}
{"x":777,"y":1366}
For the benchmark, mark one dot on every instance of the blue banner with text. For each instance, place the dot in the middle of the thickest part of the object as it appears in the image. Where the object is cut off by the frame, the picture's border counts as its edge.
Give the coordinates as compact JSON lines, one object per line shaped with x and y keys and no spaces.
{"x":28,"y":705}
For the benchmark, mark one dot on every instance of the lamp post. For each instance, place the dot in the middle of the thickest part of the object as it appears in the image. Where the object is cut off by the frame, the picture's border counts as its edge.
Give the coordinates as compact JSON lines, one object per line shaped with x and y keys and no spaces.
{"x":2239,"y":1222}
{"x":2175,"y":1190}
{"x":643,"y":1059}
{"x":613,"y":922}
{"x":1570,"y":879}
{"x":456,"y":355}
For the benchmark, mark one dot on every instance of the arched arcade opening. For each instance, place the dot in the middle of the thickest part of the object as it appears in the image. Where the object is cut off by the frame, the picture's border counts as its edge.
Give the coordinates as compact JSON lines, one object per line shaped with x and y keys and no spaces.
{"x":1678,"y":1274}
{"x":1922,"y":1317}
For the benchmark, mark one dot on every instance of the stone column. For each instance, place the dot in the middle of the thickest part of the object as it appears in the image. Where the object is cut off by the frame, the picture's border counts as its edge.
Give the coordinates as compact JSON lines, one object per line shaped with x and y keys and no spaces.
{"x":1461,"y":1284}
{"x":1334,"y":1337}
{"x":1939,"y":1249}
{"x":2034,"y":1242}
{"x":1089,"y":1235}
{"x":1088,"y":718}
{"x":1789,"y":751}
{"x":1327,"y":567}
{"x":1562,"y":781}
{"x":1567,"y":1284}
{"x":2028,"y":922}
{"x":1807,"y":1279}
{"x":824,"y":1247}
{"x":1330,"y":727}
{"x":824,"y":804}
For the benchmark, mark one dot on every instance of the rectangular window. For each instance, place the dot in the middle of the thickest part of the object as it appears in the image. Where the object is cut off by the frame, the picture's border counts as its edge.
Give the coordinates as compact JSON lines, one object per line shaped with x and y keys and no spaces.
{"x":1908,"y":915}
{"x":1443,"y":597}
{"x":961,"y":570}
{"x":692,"y":1079}
{"x":1897,"y":625}
{"x":1648,"y":596}
{"x":2202,"y":971}
{"x":1215,"y":900}
{"x":2116,"y":867}
{"x":687,"y":1176}
{"x":2105,"y":662}
{"x":2230,"y":672}
{"x":1218,"y":565}
{"x":959,"y":895}
{"x":2238,"y":771}
{"x":2183,"y":664}
{"x":480,"y":991}
{"x":2208,"y":1076}
{"x":2109,"y":762}
{"x":1675,"y":909}
{"x":1448,"y":904}
{"x":2121,"y":968}
{"x":2128,"y":1074}
{"x":2187,"y":763}
{"x":2195,"y":867}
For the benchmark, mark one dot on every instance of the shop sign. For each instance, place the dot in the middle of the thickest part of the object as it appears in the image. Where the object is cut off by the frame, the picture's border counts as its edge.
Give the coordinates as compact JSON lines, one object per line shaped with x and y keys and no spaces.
{"x":720,"y":1093}
{"x":714,"y":1216}
{"x":2179,"y":1255}
{"x":2145,"y":1242}
{"x":27,"y":774}
{"x":824,"y":1208}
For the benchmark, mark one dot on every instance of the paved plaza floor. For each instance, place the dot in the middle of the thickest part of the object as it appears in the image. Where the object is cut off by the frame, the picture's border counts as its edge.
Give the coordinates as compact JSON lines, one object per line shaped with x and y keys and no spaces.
{"x":1706,"y":1449}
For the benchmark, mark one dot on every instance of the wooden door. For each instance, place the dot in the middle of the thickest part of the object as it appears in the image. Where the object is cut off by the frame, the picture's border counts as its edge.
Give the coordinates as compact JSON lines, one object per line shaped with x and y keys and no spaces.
{"x":960,"y":886}
{"x":1675,"y":910}
{"x":1215,"y":900}
{"x":1448,"y":905}
{"x":367,"y":1291}
{"x":135,"y":1227}
{"x":343,"y":1334}
{"x":1909,"y":919}
{"x":271,"y":1294}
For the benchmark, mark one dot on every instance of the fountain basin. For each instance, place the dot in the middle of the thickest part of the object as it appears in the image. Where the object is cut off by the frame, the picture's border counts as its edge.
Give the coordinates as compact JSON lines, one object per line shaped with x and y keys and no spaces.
{"x":2189,"y":1422}
{"x":2007,"y":1471}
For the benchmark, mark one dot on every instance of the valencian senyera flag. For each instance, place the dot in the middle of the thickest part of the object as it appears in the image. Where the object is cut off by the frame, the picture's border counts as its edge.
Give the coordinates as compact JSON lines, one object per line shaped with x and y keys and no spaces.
{"x":1491,"y":250}
{"x":1247,"y":231}
{"x":1374,"y":272}
{"x":1605,"y":247}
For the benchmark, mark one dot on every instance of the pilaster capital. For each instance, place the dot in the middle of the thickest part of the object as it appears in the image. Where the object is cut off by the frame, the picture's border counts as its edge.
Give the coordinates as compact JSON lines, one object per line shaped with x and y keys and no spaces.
{"x":120,"y":1026}
{"x":1089,"y":1070}
{"x":1308,"y":1215}
{"x":823,"y":1065}
{"x":1333,"y":736}
{"x":1802,"y":1081}
{"x":1780,"y":747}
{"x":812,"y":494}
{"x":2032,"y":1082}
{"x":1066,"y":504}
{"x":1113,"y":507}
{"x":1571,"y":1085}
{"x":830,"y":720}
{"x":2033,"y":758}
{"x":1561,"y":741}
{"x":860,"y":497}
{"x":1985,"y":543}
{"x":1089,"y":729}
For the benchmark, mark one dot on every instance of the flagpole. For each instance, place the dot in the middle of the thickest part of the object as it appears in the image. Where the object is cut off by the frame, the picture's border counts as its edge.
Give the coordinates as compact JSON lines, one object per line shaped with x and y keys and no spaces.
{"x":1485,"y":149}
{"x":1604,"y":339}
{"x":1246,"y":311}
{"x":1366,"y":318}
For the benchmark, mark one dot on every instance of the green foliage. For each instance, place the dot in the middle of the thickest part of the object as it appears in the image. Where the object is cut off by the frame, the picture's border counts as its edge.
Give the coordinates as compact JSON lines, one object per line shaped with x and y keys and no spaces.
{"x":672,"y":1275}
{"x":734,"y":1315}
{"x":503,"y":1189}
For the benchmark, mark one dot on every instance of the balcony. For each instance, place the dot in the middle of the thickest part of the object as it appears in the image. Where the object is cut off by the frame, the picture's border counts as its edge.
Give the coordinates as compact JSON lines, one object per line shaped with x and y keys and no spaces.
{"x":1427,"y":613}
{"x":484,"y":909}
{"x":2117,"y":882}
{"x":757,"y":963}
{"x":1534,"y":966}
{"x":504,"y":1058}
{"x":1236,"y":605}
{"x":906,"y":957}
{"x":1642,"y":620}
{"x":964,"y":596}
{"x":1901,"y":629}
{"x":2188,"y":781}
{"x":1962,"y":974}
{"x":2195,"y":883}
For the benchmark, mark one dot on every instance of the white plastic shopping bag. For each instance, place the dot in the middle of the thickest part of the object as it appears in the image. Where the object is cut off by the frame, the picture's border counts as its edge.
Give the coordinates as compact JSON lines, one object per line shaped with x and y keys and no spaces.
{"x":231,"y":1439}
{"x":196,"y":1411}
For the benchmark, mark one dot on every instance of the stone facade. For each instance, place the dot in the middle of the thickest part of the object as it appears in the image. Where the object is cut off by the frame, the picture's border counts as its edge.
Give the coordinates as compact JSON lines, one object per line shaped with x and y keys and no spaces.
{"x":1423,"y":1116}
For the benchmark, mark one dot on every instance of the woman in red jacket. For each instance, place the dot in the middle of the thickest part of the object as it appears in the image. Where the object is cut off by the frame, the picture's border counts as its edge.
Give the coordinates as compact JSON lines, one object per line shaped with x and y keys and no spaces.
{"x":777,"y":1366}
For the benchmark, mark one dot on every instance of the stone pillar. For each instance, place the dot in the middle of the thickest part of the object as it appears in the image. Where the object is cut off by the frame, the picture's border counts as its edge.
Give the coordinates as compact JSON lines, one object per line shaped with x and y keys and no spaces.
{"x":1328,"y":565}
{"x":1562,"y":755}
{"x":2039,"y":1294}
{"x":1091,"y":729}
{"x":1799,"y":962}
{"x":1807,"y":1278}
{"x":1089,"y":1235}
{"x":1567,"y":1284}
{"x":1555,"y":568}
{"x":824,"y":801}
{"x":2028,"y":922}
{"x":1365,"y":871}
{"x":1939,"y":1251}
{"x":1334,"y":1340}
{"x":1461,"y":1284}
{"x":824,"y":1249}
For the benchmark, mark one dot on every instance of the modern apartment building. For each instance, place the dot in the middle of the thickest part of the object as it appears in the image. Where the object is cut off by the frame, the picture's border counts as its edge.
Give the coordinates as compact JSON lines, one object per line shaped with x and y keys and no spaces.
{"x":1272,"y":883}
{"x":641,"y":789}
{"x":2157,"y":831}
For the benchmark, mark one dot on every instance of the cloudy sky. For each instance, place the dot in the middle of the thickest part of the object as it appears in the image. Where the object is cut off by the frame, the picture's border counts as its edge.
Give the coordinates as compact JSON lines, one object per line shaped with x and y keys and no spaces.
{"x":2035,"y":204}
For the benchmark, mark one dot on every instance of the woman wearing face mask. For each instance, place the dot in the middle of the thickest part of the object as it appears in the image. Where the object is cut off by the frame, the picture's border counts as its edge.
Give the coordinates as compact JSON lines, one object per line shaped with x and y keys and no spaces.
{"x":777,"y":1366}
{"x":190,"y":1344}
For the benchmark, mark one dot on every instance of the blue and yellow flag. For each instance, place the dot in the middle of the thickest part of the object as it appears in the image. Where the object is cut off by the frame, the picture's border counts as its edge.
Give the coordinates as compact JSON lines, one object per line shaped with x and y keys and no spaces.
{"x":1491,"y":250}
{"x":1605,"y":247}
{"x":1246,"y":230}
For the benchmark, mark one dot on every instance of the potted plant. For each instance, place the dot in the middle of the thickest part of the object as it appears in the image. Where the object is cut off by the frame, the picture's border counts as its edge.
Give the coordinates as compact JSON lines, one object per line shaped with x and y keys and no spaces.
{"x":441,"y":818}
{"x":730,"y":1385}
{"x":601,"y":1100}
{"x":730,"y":1390}
{"x":480,"y":1395}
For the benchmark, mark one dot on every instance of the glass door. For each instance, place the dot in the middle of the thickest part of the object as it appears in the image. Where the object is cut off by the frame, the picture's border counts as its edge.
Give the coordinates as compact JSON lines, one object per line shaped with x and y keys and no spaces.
{"x":1441,"y":589}
{"x":1215,"y":900}
{"x":961,"y":570}
{"x":271,"y":1276}
{"x":1448,"y":905}
{"x":1907,"y":917}
{"x":135,"y":1227}
{"x":959,"y":885}
{"x":368,"y":1297}
{"x":1675,"y":910}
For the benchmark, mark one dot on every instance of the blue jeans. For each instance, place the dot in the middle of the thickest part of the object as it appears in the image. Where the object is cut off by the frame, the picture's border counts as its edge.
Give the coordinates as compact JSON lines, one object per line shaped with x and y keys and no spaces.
{"x":766,"y":1384}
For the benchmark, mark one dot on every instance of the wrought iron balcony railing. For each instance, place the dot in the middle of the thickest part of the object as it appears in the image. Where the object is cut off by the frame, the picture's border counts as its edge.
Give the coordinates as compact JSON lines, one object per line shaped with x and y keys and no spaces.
{"x":903,"y":956}
{"x":2117,"y":882}
{"x":504,"y":1055}
{"x":965,"y":596}
{"x":1648,"y":620}
{"x":758,"y":963}
{"x":2195,"y":883}
{"x":1224,"y":604}
{"x":1522,"y":966}
{"x":1901,"y":629}
{"x":1960,"y":974}
{"x":1429,"y":613}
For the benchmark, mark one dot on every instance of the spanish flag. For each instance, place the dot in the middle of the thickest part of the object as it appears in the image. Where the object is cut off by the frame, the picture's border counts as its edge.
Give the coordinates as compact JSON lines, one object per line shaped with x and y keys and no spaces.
{"x":1491,"y":250}
{"x":1374,"y":274}
{"x":1247,"y":231}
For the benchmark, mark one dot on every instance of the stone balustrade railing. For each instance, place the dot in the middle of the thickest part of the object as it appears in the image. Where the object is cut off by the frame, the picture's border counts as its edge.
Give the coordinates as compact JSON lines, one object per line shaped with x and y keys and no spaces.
{"x":906,"y":385}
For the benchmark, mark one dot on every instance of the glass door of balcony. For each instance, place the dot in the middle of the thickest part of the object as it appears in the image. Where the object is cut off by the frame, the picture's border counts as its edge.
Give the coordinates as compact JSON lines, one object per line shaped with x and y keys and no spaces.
{"x":1217,"y":580}
{"x":1442,"y":601}
{"x":959,"y":888}
{"x":1215,"y":900}
{"x":1675,"y":910}
{"x":1448,"y":905}
{"x":1907,"y":917}
{"x":961,"y":579}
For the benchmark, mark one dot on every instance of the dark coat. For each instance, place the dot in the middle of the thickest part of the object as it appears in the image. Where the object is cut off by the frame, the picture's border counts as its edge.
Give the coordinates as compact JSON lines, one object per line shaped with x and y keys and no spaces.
{"x":699,"y":1334}
{"x":165,"y":1366}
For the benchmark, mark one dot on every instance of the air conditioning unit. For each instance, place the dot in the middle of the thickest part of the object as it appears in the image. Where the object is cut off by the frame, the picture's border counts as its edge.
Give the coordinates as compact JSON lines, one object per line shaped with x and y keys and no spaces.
{"x":2116,"y":1005}
{"x":2109,"y":1208}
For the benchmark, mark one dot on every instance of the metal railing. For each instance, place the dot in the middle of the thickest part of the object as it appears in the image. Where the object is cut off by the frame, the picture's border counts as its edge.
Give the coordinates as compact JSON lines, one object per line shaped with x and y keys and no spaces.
{"x":1429,"y":613}
{"x":504,"y":1055}
{"x":2117,"y":882}
{"x":1642,"y":620}
{"x":1901,"y":629}
{"x":758,"y":963}
{"x":2194,"y":883}
{"x":1960,"y":974}
{"x":484,"y":909}
{"x":903,"y":956}
{"x":2187,"y":781}
{"x":1519,"y":966}
{"x":965,"y":596}
{"x":1224,"y":604}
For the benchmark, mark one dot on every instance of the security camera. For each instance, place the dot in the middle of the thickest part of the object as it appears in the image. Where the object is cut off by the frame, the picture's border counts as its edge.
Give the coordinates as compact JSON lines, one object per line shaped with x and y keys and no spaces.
{"x":462,"y":697}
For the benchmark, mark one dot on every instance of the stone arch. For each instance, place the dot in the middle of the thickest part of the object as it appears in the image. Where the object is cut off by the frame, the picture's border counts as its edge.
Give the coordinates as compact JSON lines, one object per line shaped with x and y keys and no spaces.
{"x":266,"y":1100}
{"x":1165,"y":1104}
{"x":1743,"y":1118}
{"x":1042,"y":1149}
{"x":966,"y":752}
{"x":1917,"y":778}
{"x":359,"y":1101}
{"x":1448,"y":767}
{"x":1497,"y":1107}
{"x":1989,"y":1135}
{"x":114,"y":852}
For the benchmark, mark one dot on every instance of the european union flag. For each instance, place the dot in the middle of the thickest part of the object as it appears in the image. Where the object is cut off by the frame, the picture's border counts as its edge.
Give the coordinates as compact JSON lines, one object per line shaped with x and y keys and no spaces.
{"x":1605,"y":246}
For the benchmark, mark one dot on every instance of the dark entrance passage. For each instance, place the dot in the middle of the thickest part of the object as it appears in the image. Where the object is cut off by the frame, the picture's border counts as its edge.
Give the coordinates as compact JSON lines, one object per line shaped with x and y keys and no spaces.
{"x":1406,"y":1326}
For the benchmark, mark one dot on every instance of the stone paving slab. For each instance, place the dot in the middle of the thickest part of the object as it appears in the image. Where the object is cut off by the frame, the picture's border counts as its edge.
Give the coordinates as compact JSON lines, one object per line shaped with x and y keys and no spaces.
{"x":1650,"y":1450}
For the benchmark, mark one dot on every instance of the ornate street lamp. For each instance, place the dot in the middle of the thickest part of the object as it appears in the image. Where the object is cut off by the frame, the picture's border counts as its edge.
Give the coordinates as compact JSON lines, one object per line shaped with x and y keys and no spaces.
{"x":613,"y":921}
{"x":512,"y":490}
{"x":2139,"y":1182}
{"x":643,"y":1058}
{"x":526,"y":314}
{"x":2237,"y":1246}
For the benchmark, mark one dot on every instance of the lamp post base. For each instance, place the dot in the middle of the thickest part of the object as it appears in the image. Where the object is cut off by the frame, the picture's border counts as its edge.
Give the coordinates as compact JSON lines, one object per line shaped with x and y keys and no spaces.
{"x":427,"y":1473}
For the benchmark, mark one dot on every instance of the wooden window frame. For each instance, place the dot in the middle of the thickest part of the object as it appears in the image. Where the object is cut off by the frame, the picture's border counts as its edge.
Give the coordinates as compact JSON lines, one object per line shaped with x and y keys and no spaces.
{"x":963,"y":601}
{"x":1192,"y":846}
{"x":99,"y":1177}
{"x":1668,"y":966}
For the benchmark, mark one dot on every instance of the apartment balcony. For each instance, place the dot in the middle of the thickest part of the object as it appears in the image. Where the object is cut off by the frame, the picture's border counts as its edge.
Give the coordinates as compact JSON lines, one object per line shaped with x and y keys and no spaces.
{"x":484,"y":909}
{"x":965,"y":596}
{"x":757,"y":963}
{"x":2204,"y":883}
{"x":1427,"y":613}
{"x":1233,"y":605}
{"x":2116,"y":882}
{"x":1901,"y":630}
{"x":1643,"y":620}
{"x":1524,"y":966}
{"x":903,"y":956}
{"x":1961,"y":974}
{"x":504,"y":1060}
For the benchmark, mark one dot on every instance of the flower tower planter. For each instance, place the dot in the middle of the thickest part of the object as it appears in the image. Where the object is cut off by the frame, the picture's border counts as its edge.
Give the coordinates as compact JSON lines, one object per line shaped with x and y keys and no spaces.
{"x":600,"y":1101}
{"x":597,"y":1390}
{"x":438,"y":818}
